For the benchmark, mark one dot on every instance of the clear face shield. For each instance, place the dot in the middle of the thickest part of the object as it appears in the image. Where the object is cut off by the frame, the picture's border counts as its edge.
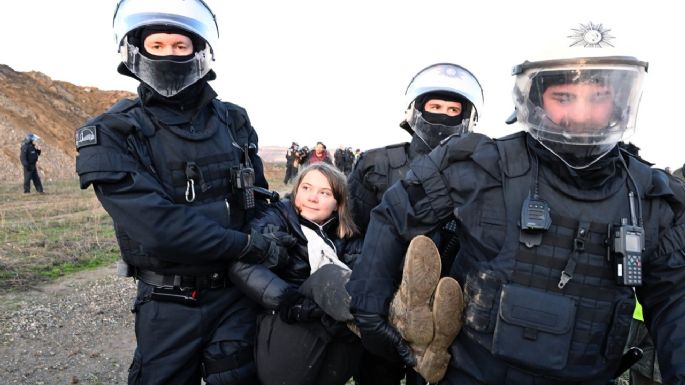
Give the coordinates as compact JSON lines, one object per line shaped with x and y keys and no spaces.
{"x":579,"y":109}
{"x":167,"y":77}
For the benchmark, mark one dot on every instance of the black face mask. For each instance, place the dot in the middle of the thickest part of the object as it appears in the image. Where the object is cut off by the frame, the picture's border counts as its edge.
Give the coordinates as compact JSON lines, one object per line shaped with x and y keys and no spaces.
{"x":433,"y":128}
{"x":442,"y":119}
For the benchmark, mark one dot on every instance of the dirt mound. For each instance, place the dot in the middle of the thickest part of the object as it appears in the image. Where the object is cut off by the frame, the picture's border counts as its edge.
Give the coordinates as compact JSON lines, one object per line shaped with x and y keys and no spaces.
{"x":32,"y":102}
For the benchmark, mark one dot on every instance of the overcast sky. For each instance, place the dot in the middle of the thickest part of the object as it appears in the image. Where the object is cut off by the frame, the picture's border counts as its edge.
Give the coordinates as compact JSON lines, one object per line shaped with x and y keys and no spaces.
{"x":336,"y":71}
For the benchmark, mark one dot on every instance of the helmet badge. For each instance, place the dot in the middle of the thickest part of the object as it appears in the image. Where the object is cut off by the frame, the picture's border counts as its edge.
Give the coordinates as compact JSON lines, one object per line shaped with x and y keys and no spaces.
{"x":591,"y":35}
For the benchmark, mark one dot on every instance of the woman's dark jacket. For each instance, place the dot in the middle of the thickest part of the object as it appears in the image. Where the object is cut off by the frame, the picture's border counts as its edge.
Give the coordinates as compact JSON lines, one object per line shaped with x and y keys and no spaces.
{"x":265,"y":285}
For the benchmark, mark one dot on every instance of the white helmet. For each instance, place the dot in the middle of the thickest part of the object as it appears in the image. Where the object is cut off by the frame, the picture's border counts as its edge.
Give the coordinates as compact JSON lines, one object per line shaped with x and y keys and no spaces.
{"x":451,"y":81}
{"x":167,"y":76}
{"x":581,"y":97}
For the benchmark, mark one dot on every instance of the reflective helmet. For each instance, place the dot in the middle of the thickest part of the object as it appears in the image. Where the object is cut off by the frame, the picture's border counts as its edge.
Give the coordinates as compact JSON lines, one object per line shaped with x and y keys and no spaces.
{"x":445,"y":81}
{"x":31,"y":137}
{"x":168,"y":75}
{"x":580,"y":98}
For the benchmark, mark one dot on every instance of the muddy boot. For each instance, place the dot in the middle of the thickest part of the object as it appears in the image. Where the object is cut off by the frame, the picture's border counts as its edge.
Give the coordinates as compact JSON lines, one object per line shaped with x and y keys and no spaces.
{"x":448,"y":305}
{"x":410,"y":311}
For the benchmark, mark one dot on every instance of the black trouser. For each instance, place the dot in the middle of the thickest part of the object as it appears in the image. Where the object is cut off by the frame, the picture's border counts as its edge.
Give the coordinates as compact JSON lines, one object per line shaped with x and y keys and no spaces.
{"x":307,"y":353}
{"x":376,"y":370}
{"x":31,"y":174}
{"x":175,"y":339}
{"x":290,"y":173}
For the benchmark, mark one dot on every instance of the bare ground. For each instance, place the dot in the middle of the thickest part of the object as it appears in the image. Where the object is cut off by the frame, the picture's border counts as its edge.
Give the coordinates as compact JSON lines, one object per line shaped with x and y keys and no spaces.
{"x":77,"y":330}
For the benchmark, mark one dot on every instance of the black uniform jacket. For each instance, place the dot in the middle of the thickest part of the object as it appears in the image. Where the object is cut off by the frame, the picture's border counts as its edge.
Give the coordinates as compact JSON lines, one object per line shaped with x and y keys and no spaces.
{"x":173,"y":235}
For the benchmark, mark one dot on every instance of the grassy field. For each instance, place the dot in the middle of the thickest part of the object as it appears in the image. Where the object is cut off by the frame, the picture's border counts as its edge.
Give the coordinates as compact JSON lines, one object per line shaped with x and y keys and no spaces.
{"x":46,"y":236}
{"x":43,"y":237}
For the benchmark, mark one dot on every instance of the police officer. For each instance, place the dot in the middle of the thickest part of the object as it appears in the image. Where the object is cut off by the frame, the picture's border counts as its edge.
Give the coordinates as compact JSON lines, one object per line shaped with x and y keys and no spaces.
{"x":176,"y":169}
{"x":442,"y":99}
{"x":557,"y":226}
{"x":29,"y":157}
{"x":291,"y":162}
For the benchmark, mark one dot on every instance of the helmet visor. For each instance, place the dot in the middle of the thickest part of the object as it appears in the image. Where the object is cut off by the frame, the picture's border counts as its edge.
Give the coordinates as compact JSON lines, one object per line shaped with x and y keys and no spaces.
{"x":166,"y":75}
{"x":580,"y":103}
{"x":433,"y":133}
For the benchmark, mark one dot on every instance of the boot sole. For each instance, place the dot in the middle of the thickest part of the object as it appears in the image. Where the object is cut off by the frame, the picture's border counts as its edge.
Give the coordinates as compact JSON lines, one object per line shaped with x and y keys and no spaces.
{"x":448,"y":305}
{"x":420,"y":276}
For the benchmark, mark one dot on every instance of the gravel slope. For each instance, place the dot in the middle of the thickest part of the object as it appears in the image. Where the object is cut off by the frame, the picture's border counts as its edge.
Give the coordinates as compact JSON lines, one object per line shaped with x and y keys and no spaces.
{"x":78,"y":330}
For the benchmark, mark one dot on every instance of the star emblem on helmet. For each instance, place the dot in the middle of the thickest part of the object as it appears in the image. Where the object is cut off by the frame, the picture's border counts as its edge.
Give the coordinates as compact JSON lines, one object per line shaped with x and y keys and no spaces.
{"x":591,"y":35}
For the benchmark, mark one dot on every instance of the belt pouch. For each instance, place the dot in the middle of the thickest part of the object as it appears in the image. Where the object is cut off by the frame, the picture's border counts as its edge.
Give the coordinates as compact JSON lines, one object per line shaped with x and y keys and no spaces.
{"x":534,"y":328}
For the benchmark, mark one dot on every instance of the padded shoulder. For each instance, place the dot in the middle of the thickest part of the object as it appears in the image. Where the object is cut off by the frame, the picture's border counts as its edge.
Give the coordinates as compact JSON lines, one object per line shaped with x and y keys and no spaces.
{"x":237,"y":119}
{"x":123,"y":105}
{"x":665,"y":186}
{"x":380,"y":160}
{"x":513,"y":153}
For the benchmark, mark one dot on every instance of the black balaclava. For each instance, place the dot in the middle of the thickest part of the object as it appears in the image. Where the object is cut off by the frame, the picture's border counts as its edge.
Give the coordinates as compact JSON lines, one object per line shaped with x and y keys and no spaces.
{"x":597,"y":181}
{"x":443,"y":119}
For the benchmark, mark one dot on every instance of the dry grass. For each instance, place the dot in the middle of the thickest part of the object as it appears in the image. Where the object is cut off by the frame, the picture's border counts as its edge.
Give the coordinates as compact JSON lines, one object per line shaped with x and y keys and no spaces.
{"x":46,"y":236}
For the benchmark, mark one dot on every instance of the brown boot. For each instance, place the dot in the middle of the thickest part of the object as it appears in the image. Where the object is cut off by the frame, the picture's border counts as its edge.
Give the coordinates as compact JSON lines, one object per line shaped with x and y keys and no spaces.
{"x":448,"y":305}
{"x":410,"y":311}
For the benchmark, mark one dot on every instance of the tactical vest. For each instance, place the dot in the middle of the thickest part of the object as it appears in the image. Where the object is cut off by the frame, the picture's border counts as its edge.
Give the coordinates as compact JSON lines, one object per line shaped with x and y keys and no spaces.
{"x":516,"y":308}
{"x":193,"y":167}
{"x":389,"y":164}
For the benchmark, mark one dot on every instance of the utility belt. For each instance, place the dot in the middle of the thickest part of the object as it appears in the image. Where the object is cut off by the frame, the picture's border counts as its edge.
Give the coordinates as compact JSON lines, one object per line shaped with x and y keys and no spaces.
{"x":218,"y":280}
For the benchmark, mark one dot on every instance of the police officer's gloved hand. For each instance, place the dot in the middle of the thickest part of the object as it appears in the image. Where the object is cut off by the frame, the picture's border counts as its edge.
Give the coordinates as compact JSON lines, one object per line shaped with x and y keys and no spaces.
{"x":294,"y":307}
{"x":382,"y":339}
{"x":270,"y":249}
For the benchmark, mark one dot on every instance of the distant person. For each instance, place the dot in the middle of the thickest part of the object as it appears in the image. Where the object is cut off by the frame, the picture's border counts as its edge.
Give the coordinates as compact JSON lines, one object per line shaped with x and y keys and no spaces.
{"x":29,"y":157}
{"x":319,"y":155}
{"x":291,"y":162}
{"x":177,"y":169}
{"x":668,"y":170}
{"x":339,"y":158}
{"x":357,"y":154}
{"x":348,"y":161}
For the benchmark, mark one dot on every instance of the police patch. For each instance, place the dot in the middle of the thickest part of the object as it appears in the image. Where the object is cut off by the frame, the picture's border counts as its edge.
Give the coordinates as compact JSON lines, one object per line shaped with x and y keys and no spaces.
{"x":86,"y":136}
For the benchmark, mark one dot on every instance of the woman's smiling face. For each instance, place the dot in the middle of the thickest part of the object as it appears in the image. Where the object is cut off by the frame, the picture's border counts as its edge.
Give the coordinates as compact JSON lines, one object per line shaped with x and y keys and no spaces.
{"x":314,"y":199}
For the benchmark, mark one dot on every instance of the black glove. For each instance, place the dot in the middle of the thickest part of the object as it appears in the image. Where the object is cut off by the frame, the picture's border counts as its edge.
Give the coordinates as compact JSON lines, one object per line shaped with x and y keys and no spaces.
{"x":270,"y":249}
{"x":294,"y":307}
{"x":382,"y":339}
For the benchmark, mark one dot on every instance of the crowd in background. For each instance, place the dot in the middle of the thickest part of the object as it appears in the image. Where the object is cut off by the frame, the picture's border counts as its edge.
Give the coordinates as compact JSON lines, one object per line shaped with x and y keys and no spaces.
{"x":343,"y":158}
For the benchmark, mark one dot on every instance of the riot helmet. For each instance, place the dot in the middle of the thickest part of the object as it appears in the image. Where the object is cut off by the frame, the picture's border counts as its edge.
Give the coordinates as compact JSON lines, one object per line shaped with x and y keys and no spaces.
{"x":168,"y":75}
{"x":447,"y":82}
{"x":580,"y":98}
{"x":31,"y":137}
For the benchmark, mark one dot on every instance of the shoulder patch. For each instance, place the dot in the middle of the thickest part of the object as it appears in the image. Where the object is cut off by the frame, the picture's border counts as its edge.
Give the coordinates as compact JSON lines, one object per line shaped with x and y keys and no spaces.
{"x":86,"y":136}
